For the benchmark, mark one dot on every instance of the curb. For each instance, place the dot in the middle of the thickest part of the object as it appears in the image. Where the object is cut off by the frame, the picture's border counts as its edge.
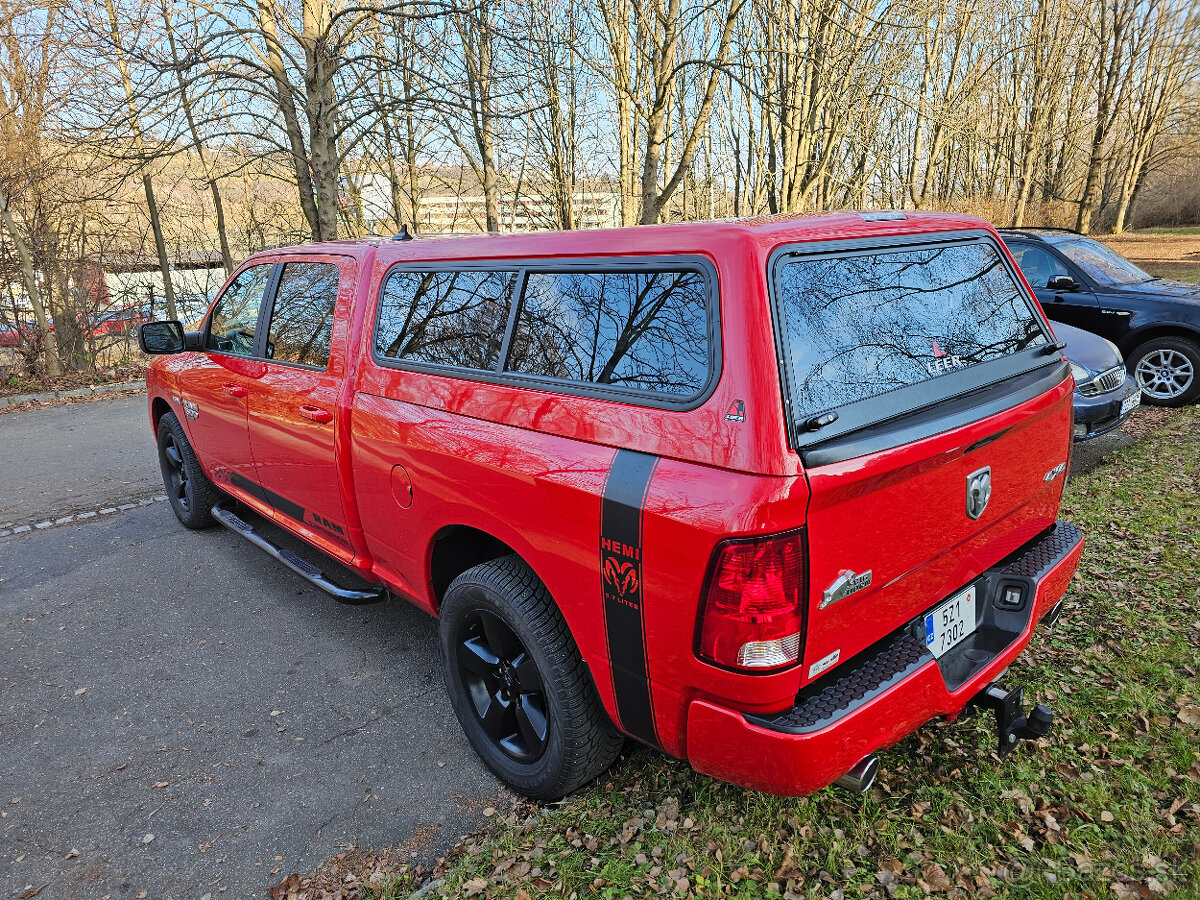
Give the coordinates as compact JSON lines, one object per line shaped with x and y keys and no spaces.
{"x":89,"y":391}
{"x":12,"y":529}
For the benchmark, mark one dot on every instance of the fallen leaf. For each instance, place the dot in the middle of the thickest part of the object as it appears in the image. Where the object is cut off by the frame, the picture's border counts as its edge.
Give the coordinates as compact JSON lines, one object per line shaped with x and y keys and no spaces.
{"x":1106,"y":816}
{"x":1190,"y":715}
{"x":80,"y":692}
{"x":474,"y":886}
{"x":1124,"y":891}
{"x":33,"y":892}
{"x":285,"y":887}
{"x":162,"y":784}
{"x":74,"y":853}
{"x":935,"y":876}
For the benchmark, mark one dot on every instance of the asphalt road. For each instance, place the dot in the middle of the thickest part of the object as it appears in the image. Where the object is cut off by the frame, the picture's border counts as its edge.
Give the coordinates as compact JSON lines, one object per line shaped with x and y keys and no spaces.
{"x":66,"y":459}
{"x":155,"y":681}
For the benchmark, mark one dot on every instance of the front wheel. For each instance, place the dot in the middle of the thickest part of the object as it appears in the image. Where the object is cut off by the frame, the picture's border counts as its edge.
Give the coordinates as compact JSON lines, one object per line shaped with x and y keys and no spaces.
{"x":1168,"y":370}
{"x":518,"y":685}
{"x":189,"y":491}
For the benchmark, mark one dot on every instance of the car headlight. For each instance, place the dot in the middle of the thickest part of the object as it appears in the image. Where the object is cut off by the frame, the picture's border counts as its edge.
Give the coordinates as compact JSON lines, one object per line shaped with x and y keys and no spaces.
{"x":1082,"y":375}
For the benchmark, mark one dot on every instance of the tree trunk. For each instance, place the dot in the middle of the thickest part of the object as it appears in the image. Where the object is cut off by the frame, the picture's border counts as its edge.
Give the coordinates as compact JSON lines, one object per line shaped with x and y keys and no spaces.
{"x":291,"y":119}
{"x":31,"y":288}
{"x":139,"y":144}
{"x":160,"y":247}
{"x":185,"y":101}
{"x":320,"y":106}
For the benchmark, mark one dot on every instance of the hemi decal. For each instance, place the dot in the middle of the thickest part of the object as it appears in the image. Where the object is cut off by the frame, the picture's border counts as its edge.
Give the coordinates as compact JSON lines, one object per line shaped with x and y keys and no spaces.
{"x":621,"y":582}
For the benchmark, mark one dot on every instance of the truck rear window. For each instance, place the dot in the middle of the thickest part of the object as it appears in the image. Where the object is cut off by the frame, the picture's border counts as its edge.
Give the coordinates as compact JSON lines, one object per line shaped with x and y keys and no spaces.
{"x":858,"y":325}
{"x":643,"y":330}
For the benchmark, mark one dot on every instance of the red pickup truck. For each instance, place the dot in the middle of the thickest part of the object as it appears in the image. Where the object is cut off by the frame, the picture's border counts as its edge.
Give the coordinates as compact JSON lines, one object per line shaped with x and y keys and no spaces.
{"x":766,"y":494}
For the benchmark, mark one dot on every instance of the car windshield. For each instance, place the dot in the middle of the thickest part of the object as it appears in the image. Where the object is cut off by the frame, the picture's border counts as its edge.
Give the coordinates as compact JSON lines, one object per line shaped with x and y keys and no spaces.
{"x":1105,"y":265}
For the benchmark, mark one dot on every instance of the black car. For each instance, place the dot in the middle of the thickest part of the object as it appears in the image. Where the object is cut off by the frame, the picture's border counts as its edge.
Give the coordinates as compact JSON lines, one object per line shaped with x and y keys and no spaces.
{"x":1154,"y":322}
{"x":1105,"y":393}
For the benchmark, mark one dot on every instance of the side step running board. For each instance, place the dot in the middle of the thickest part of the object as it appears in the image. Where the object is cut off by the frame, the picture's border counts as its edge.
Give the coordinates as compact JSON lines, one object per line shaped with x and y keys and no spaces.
{"x":300,"y":566}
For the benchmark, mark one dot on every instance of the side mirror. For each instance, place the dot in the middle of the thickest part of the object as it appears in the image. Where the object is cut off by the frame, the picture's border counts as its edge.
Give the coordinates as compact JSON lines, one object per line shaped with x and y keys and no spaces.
{"x":161,"y":338}
{"x":1062,"y":283}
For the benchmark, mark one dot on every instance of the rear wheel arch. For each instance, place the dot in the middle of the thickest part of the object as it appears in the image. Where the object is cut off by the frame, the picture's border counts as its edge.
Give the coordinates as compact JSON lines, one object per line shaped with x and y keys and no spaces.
{"x":1135,"y":339}
{"x":459,"y":548}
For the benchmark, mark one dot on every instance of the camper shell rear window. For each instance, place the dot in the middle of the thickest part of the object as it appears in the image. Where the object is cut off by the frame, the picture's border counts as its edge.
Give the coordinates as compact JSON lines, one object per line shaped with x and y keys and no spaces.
{"x":867,"y":333}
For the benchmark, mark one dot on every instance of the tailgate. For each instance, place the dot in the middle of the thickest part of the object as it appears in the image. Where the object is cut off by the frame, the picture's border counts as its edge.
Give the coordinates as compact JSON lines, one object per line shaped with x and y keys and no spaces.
{"x":919,"y":373}
{"x":902,"y":517}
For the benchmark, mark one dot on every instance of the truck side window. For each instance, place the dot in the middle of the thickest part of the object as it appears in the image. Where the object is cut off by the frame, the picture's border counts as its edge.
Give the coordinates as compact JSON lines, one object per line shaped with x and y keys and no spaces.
{"x":449,"y":318}
{"x":1038,"y":266}
{"x":302,"y":316}
{"x":637,"y":329}
{"x":235,"y":317}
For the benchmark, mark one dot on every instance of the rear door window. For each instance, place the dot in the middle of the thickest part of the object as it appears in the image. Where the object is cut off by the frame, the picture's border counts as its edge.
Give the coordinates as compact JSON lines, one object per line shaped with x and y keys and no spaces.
{"x":451,"y":318}
{"x":302,"y":315}
{"x":862,"y":324}
{"x":645,"y":330}
{"x":234,"y":319}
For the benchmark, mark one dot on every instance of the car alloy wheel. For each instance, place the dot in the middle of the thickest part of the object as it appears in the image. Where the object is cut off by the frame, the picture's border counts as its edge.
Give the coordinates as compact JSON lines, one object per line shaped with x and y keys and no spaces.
{"x":504,"y":684}
{"x":176,"y":472}
{"x":1165,"y":374}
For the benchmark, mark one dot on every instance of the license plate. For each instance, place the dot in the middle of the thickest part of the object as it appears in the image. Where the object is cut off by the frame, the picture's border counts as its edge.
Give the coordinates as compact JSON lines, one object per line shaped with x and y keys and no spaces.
{"x":1131,"y":402}
{"x":951,"y":623}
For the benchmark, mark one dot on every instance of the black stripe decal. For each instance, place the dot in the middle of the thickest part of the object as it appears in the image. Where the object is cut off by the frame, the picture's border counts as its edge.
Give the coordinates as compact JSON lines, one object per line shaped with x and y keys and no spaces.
{"x":267,"y":496}
{"x":621,"y":582}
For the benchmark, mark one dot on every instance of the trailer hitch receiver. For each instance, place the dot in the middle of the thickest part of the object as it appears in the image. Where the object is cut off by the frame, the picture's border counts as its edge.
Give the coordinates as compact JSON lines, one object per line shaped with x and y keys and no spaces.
{"x":1012,"y":723}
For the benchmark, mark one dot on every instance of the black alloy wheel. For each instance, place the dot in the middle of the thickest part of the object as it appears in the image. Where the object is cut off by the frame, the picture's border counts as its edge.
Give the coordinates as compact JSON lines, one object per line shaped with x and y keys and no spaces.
{"x":504,"y":684}
{"x":175,"y":474}
{"x":518,"y":685}
{"x":188,"y":489}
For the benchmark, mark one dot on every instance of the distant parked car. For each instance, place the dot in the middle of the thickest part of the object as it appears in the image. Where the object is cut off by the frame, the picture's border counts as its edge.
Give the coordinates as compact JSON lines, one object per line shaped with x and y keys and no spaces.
{"x":1155,"y":323}
{"x":117,"y":321}
{"x":1105,"y":393}
{"x":21,"y":333}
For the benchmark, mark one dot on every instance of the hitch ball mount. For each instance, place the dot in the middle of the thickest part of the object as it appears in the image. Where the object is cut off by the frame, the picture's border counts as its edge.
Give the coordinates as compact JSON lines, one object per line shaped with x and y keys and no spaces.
{"x":1012,"y":723}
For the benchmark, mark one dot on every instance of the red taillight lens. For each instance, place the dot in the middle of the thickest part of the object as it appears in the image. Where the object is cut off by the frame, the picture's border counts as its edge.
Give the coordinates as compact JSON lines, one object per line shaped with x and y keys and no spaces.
{"x":753,"y":614}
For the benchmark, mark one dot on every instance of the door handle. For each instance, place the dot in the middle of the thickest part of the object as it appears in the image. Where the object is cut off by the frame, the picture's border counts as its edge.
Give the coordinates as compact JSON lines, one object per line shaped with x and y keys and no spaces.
{"x":316,"y":414}
{"x":235,"y":390}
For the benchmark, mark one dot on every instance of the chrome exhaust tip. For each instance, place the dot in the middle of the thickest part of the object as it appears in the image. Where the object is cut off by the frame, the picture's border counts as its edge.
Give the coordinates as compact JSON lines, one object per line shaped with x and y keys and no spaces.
{"x":1050,"y":619}
{"x":862,"y":776}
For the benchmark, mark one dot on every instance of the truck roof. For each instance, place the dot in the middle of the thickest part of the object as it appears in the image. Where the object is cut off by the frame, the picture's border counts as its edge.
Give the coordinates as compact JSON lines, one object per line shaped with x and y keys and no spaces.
{"x":766,"y":231}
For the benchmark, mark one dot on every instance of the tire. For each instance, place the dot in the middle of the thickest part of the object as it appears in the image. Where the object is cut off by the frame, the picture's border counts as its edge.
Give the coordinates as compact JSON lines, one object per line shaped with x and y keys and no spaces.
{"x":498,"y":619}
{"x":189,"y":491}
{"x":1168,"y":371}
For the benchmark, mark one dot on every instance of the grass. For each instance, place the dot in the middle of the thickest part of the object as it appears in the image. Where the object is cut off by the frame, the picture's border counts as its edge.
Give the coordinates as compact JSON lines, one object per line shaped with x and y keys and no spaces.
{"x":1173,"y":229}
{"x":1107,"y":806}
{"x":1177,"y":271}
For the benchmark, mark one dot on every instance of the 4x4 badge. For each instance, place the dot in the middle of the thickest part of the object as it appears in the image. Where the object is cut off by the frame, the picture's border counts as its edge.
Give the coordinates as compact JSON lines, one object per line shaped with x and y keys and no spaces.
{"x":979,"y":491}
{"x":844,"y":585}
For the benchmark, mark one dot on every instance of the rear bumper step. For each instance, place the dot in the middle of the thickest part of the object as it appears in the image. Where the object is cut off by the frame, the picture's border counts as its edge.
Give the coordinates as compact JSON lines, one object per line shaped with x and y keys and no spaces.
{"x":900,"y":654}
{"x":886,"y":693}
{"x":296,"y":563}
